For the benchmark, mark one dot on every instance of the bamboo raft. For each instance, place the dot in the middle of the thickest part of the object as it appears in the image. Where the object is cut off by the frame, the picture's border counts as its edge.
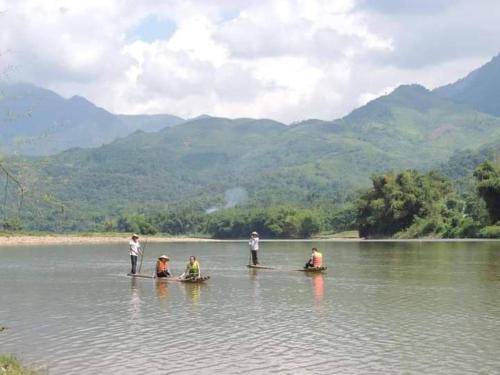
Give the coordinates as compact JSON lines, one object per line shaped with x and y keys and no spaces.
{"x":259,"y":267}
{"x":197,"y":280}
{"x":313,"y":269}
{"x":141,"y":275}
{"x":170,"y":279}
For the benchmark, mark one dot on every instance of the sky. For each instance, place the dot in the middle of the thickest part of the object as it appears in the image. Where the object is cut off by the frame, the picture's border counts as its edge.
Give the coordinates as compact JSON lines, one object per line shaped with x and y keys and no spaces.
{"x":281,"y":59}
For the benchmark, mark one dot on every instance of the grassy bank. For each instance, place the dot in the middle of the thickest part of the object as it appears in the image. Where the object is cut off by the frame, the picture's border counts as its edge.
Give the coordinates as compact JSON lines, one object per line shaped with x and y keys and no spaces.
{"x":10,"y":365}
{"x":347,"y":235}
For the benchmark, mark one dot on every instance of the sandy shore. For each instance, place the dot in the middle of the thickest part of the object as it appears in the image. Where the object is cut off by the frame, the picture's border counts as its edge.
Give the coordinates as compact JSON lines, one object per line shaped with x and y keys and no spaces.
{"x":60,"y":239}
{"x":75,"y":239}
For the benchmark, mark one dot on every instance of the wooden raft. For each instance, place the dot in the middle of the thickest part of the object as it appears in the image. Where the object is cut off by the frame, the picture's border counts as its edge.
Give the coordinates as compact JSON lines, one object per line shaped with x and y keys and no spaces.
{"x":259,"y":267}
{"x":313,"y":269}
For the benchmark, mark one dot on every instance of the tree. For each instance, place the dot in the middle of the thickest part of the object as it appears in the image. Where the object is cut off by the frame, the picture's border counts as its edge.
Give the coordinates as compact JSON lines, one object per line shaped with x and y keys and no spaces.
{"x":488,"y":186}
{"x":10,"y":179}
{"x":398,"y":201}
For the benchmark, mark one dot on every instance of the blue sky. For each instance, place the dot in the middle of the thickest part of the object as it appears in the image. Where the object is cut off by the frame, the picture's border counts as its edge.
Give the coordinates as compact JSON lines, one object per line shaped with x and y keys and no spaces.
{"x":151,"y":28}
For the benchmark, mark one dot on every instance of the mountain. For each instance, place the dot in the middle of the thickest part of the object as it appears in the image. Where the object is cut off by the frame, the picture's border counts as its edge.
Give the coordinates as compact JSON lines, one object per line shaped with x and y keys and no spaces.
{"x":36,"y":121}
{"x":480,"y":89}
{"x":310,"y":163}
{"x":462,"y":163}
{"x":148,"y":123}
{"x":414,"y":126}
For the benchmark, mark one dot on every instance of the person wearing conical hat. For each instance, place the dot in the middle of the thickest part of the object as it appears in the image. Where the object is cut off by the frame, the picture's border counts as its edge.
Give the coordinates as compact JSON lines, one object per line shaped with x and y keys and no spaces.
{"x":254,"y":247}
{"x":163,"y":266}
{"x":134,"y":251}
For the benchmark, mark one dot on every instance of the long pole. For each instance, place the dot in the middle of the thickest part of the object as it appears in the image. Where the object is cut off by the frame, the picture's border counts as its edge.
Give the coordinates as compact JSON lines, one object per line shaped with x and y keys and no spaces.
{"x":142,"y":256}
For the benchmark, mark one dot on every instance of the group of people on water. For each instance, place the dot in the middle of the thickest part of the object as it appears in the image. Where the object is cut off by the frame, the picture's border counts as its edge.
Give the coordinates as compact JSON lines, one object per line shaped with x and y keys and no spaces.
{"x":193,"y":266}
{"x":316,"y":260}
{"x":162,"y":268}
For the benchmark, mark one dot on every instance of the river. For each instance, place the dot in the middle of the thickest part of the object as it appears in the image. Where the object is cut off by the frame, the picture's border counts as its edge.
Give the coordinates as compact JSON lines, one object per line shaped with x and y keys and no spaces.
{"x":380,"y":308}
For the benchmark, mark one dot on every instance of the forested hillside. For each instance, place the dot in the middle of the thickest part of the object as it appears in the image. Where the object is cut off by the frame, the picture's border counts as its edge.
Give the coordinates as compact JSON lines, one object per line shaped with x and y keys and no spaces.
{"x":311,"y":164}
{"x":176,"y":176}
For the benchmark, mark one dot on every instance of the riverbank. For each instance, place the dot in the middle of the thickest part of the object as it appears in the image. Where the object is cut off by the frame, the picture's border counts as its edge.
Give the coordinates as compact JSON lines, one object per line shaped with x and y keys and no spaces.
{"x":29,"y":239}
{"x":11,"y":239}
{"x":10,"y":365}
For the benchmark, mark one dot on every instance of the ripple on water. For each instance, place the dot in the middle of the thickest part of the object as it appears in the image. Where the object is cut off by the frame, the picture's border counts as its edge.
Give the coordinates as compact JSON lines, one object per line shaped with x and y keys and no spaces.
{"x":377,"y":310}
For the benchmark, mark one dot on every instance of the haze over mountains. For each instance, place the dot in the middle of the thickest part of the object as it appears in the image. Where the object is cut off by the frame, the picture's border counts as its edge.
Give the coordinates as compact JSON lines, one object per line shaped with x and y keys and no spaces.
{"x":199,"y":159}
{"x":36,"y":121}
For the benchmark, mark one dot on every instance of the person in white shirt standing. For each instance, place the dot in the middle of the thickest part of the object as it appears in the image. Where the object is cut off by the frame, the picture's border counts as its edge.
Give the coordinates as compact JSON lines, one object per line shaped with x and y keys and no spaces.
{"x":254,"y":247}
{"x":134,"y":251}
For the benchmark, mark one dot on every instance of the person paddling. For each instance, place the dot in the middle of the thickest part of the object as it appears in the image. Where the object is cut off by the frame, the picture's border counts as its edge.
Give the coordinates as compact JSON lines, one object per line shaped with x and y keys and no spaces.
{"x":193,"y":270}
{"x":316,"y":260}
{"x":163,"y":266}
{"x":134,"y":251}
{"x":254,"y":247}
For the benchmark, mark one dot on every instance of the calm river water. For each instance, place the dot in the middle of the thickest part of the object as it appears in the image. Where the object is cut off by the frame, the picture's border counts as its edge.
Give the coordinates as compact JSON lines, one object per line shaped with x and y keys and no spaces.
{"x":381,"y":308}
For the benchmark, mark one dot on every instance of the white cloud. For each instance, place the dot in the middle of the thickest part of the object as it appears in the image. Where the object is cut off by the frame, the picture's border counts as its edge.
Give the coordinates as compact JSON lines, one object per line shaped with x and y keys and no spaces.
{"x":366,"y":97}
{"x":284,"y":59}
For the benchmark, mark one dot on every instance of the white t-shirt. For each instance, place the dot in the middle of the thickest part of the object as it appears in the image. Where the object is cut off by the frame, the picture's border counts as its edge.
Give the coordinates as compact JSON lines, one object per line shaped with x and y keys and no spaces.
{"x":134,"y":248}
{"x":254,"y":243}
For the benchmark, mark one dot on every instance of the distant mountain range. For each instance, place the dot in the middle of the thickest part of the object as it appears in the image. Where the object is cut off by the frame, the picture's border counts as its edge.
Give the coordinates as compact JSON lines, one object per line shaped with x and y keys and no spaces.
{"x":306,"y":163}
{"x":36,"y":121}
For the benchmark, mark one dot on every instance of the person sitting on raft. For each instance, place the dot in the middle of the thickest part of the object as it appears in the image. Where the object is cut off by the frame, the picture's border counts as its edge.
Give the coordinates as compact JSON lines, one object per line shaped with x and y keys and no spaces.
{"x":163,"y":267}
{"x":192,"y":269}
{"x":316,"y":259}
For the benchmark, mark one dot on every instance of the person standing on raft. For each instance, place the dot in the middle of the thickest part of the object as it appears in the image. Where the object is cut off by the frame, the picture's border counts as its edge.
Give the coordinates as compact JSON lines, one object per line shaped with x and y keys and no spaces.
{"x":193,"y":270}
{"x":134,"y":251}
{"x":316,"y":259}
{"x":254,"y":247}
{"x":163,"y":267}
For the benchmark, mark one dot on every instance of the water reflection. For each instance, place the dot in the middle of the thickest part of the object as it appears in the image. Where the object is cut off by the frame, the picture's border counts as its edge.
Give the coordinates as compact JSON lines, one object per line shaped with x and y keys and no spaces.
{"x":162,"y":290}
{"x":255,"y":282}
{"x":492,"y":268}
{"x":318,"y":287}
{"x":253,"y":274}
{"x":193,"y":291}
{"x":135,"y":300}
{"x":380,"y":306}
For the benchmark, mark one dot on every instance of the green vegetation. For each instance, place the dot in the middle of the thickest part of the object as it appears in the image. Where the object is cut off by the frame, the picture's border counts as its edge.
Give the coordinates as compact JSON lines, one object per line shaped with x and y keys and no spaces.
{"x":491,"y":231}
{"x":190,"y":168}
{"x":488,"y":186}
{"x":411,"y":205}
{"x":238,"y":222}
{"x":276,"y":222}
{"x":10,"y":365}
{"x":222,"y":178}
{"x":405,"y":203}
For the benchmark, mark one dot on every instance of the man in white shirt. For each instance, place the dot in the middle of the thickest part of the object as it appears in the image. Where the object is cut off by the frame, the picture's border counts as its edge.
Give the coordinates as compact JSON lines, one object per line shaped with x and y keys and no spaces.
{"x":134,"y":251}
{"x":254,"y":247}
